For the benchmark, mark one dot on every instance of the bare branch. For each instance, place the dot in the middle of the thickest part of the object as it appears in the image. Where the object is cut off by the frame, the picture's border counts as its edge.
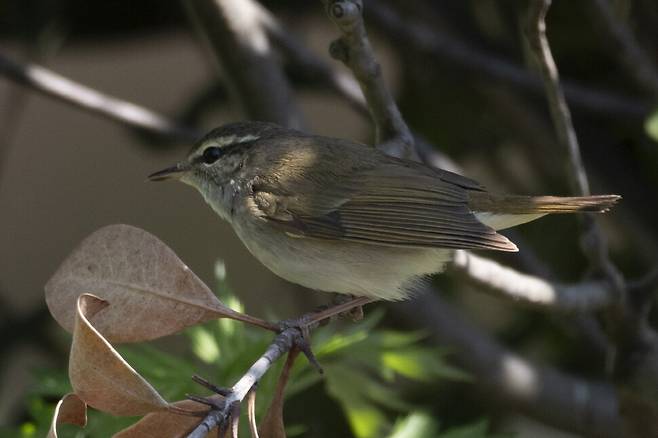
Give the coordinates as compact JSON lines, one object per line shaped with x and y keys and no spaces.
{"x":593,"y":241}
{"x":354,"y":50}
{"x":443,"y":48}
{"x":280,"y":346}
{"x":236,"y":32}
{"x":560,"y":113}
{"x":531,"y":290}
{"x":66,"y":90}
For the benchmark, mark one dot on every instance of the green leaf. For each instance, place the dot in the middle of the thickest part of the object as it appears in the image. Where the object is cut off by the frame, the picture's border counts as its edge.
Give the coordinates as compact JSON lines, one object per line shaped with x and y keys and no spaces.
{"x":421,"y":364}
{"x":416,"y":425}
{"x":204,"y":344}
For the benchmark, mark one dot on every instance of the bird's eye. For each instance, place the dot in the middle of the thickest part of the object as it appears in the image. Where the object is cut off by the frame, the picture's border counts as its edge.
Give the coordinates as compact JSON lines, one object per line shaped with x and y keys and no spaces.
{"x":211,"y":154}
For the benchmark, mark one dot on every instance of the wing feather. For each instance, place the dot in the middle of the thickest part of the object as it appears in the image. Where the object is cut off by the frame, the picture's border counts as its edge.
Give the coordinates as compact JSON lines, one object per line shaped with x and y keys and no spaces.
{"x":380,"y":201}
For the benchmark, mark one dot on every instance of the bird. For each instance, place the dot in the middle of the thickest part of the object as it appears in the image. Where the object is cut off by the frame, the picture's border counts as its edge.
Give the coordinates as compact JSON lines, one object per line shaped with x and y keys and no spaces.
{"x":336,"y":215}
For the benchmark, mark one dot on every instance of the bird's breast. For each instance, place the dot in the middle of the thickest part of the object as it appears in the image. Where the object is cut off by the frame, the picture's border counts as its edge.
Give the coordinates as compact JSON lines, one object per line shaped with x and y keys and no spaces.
{"x":340,"y":266}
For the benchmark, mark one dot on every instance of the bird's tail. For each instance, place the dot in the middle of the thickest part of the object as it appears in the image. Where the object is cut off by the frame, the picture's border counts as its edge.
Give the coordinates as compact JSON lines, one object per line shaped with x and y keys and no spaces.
{"x":504,"y":211}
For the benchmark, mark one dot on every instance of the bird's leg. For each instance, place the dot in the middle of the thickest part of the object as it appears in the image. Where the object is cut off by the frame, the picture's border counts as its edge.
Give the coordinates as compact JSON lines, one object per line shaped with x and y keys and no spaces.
{"x":351,"y":306}
{"x":306,"y":322}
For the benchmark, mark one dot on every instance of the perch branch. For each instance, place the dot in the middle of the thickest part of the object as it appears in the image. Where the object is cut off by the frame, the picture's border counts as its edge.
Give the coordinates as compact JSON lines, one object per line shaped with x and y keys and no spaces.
{"x":531,"y":290}
{"x":235,"y":30}
{"x":66,"y":90}
{"x":354,"y":50}
{"x":288,"y":338}
{"x":216,"y":417}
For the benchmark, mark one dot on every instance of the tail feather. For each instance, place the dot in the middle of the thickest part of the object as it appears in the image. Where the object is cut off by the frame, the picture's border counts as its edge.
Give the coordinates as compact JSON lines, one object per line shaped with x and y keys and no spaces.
{"x":505,"y":211}
{"x":513,"y":204}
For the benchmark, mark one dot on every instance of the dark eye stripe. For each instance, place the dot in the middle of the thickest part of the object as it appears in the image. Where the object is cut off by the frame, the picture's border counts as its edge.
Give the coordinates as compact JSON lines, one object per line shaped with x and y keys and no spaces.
{"x":213,"y":153}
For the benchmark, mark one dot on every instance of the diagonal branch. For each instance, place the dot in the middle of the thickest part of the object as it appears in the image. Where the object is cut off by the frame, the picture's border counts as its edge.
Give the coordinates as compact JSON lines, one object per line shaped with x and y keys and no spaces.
{"x":61,"y":88}
{"x":216,"y":417}
{"x":354,"y":50}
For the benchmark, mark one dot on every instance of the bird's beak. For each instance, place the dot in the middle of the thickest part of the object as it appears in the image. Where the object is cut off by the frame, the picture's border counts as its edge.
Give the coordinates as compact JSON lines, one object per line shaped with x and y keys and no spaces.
{"x":173,"y":172}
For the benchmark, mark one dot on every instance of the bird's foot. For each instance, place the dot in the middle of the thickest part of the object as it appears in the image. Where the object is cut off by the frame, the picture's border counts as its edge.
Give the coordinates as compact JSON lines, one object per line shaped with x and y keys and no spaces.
{"x":344,"y":305}
{"x":352,"y":307}
{"x":303,"y":325}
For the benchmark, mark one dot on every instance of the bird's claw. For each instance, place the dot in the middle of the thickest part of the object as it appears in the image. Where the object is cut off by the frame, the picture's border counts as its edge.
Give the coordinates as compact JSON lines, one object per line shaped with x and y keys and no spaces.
{"x":303,"y":325}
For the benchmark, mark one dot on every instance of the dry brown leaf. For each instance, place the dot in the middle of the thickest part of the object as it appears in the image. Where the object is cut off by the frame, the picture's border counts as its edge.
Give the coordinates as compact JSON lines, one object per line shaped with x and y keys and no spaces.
{"x":69,"y":410}
{"x":153,"y":293}
{"x":272,"y":425}
{"x":100,"y":376}
{"x":167,"y":424}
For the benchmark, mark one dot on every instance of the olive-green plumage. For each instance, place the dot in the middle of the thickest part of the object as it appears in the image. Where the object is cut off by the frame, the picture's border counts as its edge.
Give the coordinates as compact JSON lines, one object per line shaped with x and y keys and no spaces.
{"x":340,"y":216}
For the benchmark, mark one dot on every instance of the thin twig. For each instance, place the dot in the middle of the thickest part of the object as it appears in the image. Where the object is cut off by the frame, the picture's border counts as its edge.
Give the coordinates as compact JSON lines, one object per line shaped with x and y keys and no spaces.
{"x":54,"y":85}
{"x":281,"y":345}
{"x":290,"y":337}
{"x":531,"y":290}
{"x":593,"y":241}
{"x":354,"y":50}
{"x":557,"y":103}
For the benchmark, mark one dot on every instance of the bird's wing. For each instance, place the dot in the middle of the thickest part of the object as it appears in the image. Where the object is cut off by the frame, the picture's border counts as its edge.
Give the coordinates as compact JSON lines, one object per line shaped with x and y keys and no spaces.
{"x":384,"y":201}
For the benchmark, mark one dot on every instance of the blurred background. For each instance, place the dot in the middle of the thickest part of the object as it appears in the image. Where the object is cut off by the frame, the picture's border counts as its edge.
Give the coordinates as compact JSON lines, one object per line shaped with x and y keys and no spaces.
{"x":461,"y":75}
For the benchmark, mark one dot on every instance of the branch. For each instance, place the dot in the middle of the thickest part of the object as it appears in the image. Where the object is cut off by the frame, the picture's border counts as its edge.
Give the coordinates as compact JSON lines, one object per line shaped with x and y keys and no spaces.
{"x":593,"y":241}
{"x":557,"y":103}
{"x":454,"y":52}
{"x":354,"y":50}
{"x":280,"y":346}
{"x":66,"y":90}
{"x":534,"y":291}
{"x":236,"y":33}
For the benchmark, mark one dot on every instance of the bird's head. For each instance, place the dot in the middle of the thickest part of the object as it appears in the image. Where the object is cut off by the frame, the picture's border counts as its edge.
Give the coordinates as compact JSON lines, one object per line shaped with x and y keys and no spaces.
{"x":214,"y":163}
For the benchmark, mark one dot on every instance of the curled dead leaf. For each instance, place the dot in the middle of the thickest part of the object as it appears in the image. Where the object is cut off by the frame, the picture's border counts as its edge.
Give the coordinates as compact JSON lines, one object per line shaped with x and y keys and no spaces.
{"x":167,"y":424}
{"x":99,"y":375}
{"x":69,"y":410}
{"x":153,"y":293}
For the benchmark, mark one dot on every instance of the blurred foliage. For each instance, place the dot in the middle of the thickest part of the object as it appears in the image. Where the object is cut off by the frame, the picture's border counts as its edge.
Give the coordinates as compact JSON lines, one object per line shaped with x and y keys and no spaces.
{"x":365,"y":370}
